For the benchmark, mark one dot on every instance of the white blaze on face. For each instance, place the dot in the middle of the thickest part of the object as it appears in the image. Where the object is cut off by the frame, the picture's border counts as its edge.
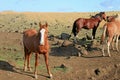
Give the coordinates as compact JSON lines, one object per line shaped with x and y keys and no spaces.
{"x":42,"y":31}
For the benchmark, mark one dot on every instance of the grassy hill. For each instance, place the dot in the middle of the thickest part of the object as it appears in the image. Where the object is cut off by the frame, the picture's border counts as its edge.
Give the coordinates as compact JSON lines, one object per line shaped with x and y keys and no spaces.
{"x":58,"y":22}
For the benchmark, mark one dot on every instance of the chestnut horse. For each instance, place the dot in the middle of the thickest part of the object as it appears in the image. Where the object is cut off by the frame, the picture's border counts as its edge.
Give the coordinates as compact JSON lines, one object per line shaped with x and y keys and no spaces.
{"x":91,"y":23}
{"x":112,"y":30}
{"x":36,"y":42}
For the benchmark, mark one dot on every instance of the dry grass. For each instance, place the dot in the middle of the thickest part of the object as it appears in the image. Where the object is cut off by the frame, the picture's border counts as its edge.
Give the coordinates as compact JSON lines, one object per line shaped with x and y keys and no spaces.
{"x":58,"y":22}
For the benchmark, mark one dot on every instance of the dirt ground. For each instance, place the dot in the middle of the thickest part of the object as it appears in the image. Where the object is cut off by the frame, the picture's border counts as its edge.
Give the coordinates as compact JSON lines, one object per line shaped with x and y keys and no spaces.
{"x":63,"y":61}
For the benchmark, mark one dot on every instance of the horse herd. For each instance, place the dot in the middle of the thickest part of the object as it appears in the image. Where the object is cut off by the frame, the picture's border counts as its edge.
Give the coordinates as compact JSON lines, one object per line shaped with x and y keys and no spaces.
{"x":37,"y":42}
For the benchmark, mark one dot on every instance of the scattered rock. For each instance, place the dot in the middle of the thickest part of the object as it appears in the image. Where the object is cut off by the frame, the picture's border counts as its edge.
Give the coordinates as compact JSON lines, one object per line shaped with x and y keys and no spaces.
{"x":64,"y":36}
{"x":92,"y":78}
{"x":35,"y":23}
{"x":14,"y":49}
{"x":68,"y":57}
{"x":59,"y":42}
{"x":51,"y":37}
{"x":84,"y":39}
{"x":16,"y":31}
{"x":68,"y":26}
{"x":84,"y":51}
{"x":97,"y":71}
{"x":63,"y":66}
{"x":117,"y":65}
{"x":95,"y":43}
{"x":79,"y":54}
{"x":66,"y":43}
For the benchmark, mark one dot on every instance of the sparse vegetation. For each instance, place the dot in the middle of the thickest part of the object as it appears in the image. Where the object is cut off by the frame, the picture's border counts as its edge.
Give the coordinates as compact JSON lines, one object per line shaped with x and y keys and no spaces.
{"x":87,"y":66}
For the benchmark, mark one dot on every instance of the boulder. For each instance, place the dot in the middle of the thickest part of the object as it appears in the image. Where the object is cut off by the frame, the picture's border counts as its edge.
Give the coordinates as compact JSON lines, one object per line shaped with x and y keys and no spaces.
{"x":64,"y":36}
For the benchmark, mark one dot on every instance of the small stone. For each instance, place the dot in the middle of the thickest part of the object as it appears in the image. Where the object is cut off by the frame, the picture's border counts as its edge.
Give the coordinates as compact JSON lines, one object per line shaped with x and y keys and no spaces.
{"x":63,"y":66}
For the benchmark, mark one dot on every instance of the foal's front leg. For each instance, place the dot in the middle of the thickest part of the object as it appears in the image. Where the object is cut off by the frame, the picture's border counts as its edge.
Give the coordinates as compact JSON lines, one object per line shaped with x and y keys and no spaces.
{"x":47,"y":65}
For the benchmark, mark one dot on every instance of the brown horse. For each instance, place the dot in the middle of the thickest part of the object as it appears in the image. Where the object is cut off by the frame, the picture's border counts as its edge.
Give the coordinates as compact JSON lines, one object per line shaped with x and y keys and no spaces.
{"x":91,"y":23}
{"x":112,"y":30}
{"x":36,"y":42}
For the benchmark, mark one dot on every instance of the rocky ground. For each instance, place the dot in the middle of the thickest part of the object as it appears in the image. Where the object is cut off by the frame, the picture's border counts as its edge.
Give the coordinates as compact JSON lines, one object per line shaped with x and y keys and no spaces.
{"x":67,"y":61}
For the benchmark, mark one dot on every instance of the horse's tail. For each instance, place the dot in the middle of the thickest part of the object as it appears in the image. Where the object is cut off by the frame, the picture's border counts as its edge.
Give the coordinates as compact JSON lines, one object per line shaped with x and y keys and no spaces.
{"x":104,"y":34}
{"x":73,"y":29}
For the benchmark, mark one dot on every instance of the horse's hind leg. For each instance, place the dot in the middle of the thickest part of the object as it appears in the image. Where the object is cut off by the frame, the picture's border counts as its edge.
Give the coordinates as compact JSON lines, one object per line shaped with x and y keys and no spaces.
{"x":47,"y":65}
{"x":113,"y":41}
{"x":108,"y":46}
{"x":103,"y":50}
{"x":27,"y":60}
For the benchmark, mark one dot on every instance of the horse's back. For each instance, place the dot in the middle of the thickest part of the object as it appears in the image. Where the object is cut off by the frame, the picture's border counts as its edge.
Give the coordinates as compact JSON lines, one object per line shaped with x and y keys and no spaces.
{"x":30,"y":32}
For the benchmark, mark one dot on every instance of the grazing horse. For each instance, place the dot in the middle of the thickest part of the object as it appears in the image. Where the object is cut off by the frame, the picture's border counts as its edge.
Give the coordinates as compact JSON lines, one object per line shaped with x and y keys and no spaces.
{"x":91,"y":23}
{"x":112,"y":31}
{"x":36,"y":42}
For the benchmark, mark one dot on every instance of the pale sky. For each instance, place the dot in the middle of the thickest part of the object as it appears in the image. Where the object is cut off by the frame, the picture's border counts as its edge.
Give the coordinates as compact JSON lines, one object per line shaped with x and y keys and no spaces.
{"x":59,"y":5}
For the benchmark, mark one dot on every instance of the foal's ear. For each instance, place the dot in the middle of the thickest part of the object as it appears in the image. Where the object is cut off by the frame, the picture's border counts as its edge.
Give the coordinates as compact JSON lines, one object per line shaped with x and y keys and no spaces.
{"x":40,"y":24}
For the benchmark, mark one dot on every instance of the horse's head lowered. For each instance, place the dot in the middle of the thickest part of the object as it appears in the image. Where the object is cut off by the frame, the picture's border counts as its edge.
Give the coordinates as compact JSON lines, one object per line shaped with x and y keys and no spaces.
{"x":43,"y":33}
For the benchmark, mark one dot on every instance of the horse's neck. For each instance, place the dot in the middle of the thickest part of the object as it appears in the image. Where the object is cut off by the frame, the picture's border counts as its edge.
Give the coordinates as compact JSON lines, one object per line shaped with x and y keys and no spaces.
{"x":97,"y":19}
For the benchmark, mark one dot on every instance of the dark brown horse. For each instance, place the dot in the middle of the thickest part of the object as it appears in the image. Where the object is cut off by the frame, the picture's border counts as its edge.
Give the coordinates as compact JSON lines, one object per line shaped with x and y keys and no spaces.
{"x":36,"y":42}
{"x":112,"y":31}
{"x":91,"y":23}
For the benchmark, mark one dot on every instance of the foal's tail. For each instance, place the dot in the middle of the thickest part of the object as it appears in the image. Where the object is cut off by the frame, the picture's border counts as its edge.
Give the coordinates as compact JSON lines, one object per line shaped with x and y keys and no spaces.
{"x":73,"y":29}
{"x":104,"y":34}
